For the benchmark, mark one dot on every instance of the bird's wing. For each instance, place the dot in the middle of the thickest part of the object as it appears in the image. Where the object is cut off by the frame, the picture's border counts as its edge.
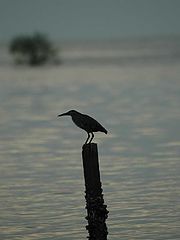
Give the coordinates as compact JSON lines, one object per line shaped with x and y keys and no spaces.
{"x":80,"y":121}
{"x":93,"y":125}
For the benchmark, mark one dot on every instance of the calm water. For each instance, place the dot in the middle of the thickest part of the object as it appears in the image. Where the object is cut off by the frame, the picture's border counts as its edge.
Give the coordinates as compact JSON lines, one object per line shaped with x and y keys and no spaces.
{"x":41,"y":177}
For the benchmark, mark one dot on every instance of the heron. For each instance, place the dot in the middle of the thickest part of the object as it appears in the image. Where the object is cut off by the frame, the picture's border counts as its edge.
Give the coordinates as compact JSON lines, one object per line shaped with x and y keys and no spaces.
{"x":87,"y":123}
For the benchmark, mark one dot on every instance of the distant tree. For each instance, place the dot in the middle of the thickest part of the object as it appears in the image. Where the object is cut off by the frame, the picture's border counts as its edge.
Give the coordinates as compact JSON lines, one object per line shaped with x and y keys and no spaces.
{"x":32,"y":50}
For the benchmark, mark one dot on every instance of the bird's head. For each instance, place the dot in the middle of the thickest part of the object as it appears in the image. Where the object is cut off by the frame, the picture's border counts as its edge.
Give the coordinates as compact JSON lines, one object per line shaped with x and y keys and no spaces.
{"x":69,"y":113}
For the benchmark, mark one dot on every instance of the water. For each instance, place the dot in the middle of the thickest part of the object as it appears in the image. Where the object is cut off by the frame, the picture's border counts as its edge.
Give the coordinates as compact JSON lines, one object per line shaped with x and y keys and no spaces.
{"x":41,"y":177}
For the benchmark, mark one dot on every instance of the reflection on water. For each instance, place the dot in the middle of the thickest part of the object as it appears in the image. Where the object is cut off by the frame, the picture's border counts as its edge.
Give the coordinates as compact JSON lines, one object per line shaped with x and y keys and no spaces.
{"x":41,"y":178}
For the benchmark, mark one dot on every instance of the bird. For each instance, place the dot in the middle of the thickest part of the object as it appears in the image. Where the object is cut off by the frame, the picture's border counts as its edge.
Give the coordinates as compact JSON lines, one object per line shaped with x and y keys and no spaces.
{"x":87,"y":123}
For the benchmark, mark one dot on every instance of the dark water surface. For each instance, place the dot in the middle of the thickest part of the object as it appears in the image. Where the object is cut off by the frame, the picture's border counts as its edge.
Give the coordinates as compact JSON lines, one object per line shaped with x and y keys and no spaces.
{"x":41,"y":177}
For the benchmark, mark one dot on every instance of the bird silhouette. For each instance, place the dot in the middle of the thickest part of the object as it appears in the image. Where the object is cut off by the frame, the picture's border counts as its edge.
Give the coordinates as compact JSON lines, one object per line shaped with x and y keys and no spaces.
{"x":85,"y":122}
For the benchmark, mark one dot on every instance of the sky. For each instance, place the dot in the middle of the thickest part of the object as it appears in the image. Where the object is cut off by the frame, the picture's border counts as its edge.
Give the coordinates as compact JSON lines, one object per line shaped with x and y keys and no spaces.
{"x":90,"y":19}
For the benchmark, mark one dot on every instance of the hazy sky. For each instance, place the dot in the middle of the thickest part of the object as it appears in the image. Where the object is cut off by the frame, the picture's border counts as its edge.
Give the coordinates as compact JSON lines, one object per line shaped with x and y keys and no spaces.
{"x":89,"y":19}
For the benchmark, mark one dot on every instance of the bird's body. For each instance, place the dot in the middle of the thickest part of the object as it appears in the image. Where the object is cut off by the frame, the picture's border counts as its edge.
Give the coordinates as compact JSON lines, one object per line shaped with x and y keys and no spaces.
{"x":85,"y":122}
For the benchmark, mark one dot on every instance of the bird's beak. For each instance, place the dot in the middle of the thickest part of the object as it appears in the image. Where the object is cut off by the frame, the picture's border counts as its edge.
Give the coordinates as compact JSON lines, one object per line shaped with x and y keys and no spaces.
{"x":63,"y":114}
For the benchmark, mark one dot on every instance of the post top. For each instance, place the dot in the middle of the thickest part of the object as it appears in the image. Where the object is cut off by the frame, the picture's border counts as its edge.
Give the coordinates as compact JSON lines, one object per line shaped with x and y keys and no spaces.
{"x":89,"y":146}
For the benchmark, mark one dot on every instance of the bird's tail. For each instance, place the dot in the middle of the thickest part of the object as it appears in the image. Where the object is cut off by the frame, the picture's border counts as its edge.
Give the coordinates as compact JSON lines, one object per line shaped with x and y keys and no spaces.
{"x":104,"y":130}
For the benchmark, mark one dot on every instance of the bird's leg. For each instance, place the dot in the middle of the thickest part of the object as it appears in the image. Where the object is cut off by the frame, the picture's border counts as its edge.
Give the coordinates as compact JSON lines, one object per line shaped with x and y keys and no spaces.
{"x":87,"y":138}
{"x":91,"y":137}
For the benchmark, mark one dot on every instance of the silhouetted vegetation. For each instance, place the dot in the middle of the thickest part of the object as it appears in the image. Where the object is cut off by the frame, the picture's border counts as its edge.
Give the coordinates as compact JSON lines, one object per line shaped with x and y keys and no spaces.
{"x":33,"y":50}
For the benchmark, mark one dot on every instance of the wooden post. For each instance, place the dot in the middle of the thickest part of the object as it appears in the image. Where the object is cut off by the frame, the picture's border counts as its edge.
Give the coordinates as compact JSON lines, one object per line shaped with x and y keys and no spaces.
{"x":96,"y":210}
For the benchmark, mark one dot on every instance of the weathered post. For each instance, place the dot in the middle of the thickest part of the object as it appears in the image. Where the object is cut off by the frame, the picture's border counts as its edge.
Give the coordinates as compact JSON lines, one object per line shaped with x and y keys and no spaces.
{"x":96,"y":209}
